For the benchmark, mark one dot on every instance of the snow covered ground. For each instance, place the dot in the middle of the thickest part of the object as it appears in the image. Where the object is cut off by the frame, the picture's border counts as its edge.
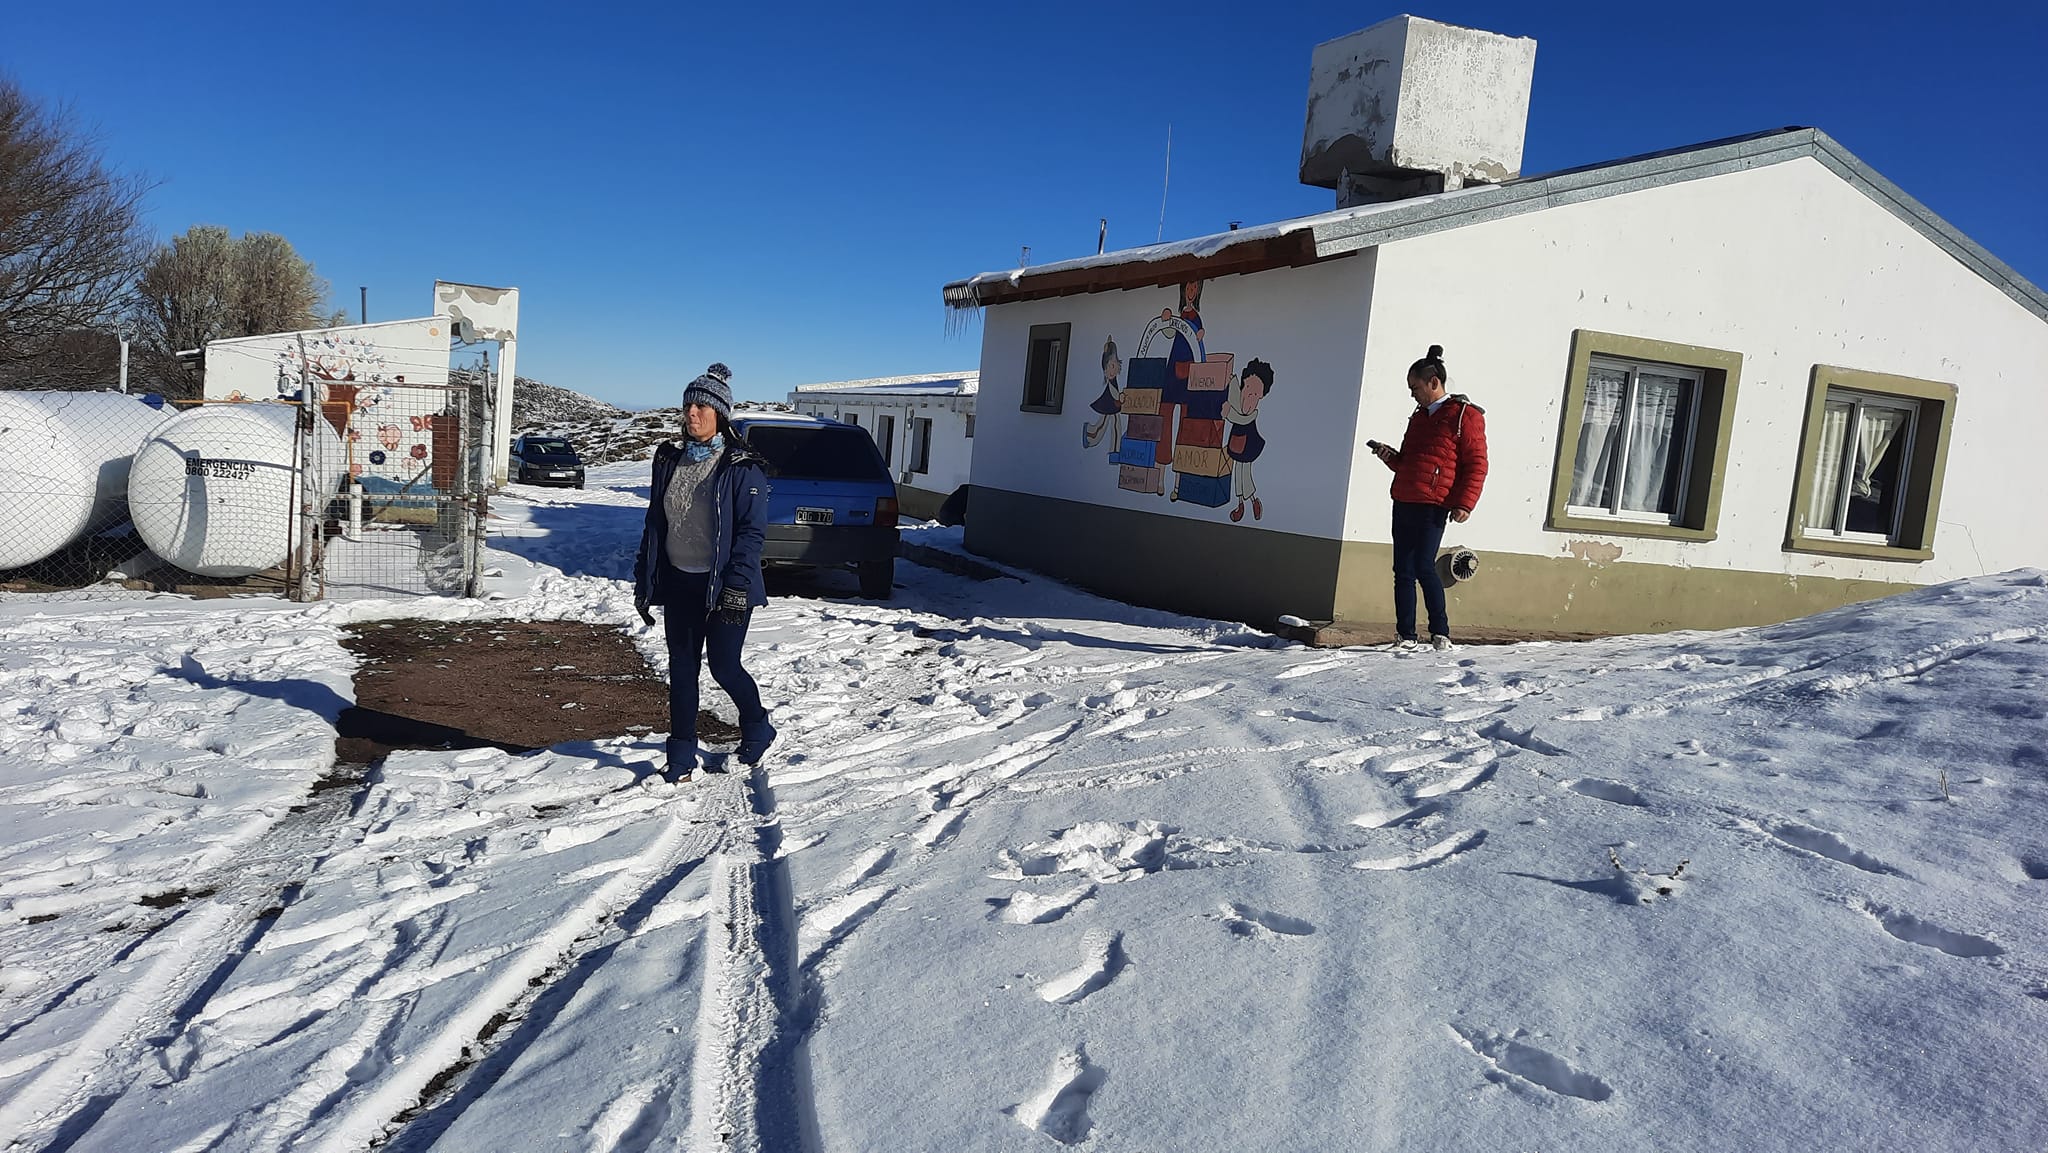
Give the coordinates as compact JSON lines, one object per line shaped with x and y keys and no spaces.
{"x":1030,"y":868}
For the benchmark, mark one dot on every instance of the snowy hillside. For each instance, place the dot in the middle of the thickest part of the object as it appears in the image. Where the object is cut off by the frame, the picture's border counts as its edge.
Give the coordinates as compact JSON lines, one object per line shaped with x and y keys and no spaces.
{"x":1028,"y":870}
{"x":602,"y":433}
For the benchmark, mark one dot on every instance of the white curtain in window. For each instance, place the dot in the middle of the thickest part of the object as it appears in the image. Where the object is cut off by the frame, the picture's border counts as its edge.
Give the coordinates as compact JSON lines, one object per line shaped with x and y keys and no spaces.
{"x":1658,"y":425}
{"x":1827,"y":472}
{"x":1874,"y":434}
{"x":1600,"y":436}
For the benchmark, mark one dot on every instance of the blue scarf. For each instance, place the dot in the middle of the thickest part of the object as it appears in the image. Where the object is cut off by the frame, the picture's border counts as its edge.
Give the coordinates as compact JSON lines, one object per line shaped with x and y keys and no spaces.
{"x":698,"y":453}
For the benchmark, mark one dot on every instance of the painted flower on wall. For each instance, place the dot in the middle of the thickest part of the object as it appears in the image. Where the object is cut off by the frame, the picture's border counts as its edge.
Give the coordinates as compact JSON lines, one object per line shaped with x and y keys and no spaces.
{"x":377,"y":456}
{"x":419,"y":452}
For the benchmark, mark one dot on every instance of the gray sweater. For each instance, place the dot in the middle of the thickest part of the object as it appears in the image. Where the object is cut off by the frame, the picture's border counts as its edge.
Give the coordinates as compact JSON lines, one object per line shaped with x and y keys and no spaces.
{"x":689,"y":501}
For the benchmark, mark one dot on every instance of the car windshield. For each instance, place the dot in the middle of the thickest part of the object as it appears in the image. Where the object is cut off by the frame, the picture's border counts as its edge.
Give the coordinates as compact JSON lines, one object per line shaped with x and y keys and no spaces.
{"x":548,"y":445}
{"x":816,"y":452}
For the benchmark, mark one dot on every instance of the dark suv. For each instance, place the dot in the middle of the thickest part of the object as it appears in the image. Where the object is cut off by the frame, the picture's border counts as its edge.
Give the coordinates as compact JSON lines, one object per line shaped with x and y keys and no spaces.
{"x":831,"y":501}
{"x":544,"y":460}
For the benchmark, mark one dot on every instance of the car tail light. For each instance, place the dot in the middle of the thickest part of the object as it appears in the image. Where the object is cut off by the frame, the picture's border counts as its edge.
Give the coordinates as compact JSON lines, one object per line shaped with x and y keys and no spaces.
{"x":885,"y":512}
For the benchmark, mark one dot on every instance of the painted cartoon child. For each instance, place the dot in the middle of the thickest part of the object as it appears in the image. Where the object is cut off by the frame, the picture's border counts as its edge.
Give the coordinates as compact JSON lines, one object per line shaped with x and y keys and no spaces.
{"x":1241,"y":412}
{"x":1110,"y":404}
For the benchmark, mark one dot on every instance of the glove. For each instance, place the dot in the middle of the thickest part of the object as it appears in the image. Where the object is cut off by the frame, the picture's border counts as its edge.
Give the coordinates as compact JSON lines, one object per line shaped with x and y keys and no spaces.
{"x":733,"y":606}
{"x":641,"y":608}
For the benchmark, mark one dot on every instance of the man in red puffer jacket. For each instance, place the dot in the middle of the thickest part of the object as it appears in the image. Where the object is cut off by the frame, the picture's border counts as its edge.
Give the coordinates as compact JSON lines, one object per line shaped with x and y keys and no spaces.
{"x":1438,"y":472}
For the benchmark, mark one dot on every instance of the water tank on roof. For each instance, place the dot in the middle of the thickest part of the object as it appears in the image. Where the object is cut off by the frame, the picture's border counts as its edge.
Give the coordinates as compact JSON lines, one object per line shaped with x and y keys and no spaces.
{"x":1410,"y":106}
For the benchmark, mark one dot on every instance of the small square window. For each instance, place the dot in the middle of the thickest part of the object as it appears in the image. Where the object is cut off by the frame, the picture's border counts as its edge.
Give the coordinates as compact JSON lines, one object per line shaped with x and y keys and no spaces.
{"x":1870,"y":463}
{"x":1645,"y":437}
{"x":920,"y":444}
{"x":1045,"y":368}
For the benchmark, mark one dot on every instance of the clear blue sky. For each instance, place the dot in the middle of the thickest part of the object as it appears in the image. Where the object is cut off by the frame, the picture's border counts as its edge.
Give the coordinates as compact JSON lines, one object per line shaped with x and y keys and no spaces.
{"x":786,"y":186}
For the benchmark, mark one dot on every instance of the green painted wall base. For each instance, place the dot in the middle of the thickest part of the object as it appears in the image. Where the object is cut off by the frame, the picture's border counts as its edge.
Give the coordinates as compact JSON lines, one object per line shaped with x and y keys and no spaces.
{"x":1237,"y":572}
{"x":1567,"y":595}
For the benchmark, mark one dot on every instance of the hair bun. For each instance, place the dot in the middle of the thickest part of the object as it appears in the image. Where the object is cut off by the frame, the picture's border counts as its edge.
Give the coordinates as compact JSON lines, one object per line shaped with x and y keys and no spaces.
{"x":1436,"y":352}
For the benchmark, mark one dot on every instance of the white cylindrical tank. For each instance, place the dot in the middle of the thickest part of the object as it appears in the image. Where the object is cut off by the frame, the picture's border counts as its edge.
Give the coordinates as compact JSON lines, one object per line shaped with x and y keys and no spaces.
{"x":64,"y":459}
{"x":215,"y":490}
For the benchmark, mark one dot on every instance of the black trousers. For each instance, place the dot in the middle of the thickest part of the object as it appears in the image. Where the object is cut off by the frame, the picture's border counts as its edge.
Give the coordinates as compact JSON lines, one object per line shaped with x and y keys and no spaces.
{"x":1418,"y":534}
{"x":693,"y":635}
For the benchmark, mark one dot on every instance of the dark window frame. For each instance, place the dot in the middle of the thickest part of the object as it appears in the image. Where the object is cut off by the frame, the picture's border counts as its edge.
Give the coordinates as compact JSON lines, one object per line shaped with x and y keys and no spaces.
{"x":1045,"y":368}
{"x":920,"y":446}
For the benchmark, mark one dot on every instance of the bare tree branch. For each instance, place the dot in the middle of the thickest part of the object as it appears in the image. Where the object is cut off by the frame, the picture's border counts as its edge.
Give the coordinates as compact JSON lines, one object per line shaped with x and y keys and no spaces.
{"x":71,"y":245}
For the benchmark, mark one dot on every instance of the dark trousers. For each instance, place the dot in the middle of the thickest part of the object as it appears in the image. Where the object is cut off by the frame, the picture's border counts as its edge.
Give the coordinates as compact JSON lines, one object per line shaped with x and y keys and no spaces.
{"x":1418,"y":534}
{"x":692,"y":635}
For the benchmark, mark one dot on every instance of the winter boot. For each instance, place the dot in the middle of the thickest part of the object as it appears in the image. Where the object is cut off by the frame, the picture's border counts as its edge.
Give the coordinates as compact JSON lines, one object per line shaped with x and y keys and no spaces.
{"x":682,"y":759}
{"x":755,"y":737}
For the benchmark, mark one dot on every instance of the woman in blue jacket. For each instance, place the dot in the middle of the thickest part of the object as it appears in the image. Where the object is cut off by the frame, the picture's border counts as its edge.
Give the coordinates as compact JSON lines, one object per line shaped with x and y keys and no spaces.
{"x":700,"y":560}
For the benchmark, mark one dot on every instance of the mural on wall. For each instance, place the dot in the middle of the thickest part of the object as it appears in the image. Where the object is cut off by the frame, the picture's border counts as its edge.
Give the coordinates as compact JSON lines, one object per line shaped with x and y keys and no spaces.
{"x":1110,"y":405}
{"x":365,"y":401}
{"x":1184,"y":425}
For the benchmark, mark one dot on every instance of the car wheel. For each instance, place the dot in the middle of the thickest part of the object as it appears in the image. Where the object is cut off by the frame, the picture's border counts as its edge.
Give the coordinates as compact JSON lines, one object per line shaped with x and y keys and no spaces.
{"x":877,"y":578}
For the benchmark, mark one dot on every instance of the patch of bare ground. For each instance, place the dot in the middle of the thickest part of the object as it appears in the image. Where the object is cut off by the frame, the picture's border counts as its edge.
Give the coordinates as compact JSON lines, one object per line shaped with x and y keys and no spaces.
{"x":513,"y":685}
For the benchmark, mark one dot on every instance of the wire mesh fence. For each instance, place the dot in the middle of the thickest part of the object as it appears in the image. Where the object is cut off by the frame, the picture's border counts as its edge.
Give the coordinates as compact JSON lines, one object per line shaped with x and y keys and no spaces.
{"x":364,"y":492}
{"x":408,"y":517}
{"x":65,"y":465}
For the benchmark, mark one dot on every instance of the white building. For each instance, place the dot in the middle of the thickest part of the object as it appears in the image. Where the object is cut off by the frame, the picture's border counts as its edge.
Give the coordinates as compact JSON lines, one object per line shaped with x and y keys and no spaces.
{"x":924,"y":426}
{"x":383,"y":386}
{"x":1634,"y":331}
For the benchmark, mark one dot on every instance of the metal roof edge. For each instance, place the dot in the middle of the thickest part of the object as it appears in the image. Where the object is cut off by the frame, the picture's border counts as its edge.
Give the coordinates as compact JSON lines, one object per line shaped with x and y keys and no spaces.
{"x":1568,"y":186}
{"x":1655,"y":170}
{"x":1337,"y":237}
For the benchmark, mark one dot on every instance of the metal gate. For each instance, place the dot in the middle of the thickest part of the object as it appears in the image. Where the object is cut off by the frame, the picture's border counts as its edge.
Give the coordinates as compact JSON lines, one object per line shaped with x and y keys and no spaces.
{"x":393,"y":490}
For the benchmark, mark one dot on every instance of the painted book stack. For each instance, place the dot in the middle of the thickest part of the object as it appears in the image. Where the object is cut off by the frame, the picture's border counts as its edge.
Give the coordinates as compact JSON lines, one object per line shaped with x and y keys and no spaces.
{"x":1137,"y":458}
{"x":1201,"y":467}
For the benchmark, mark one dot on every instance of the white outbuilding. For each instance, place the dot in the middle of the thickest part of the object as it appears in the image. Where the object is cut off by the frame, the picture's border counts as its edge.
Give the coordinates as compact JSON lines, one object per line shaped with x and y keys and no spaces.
{"x":1724,"y":384}
{"x":923,"y":424}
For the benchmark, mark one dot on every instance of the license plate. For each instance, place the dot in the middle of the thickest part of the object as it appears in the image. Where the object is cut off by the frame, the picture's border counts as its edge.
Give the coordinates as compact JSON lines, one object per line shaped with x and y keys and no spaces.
{"x":562,"y":474}
{"x":814,"y":516}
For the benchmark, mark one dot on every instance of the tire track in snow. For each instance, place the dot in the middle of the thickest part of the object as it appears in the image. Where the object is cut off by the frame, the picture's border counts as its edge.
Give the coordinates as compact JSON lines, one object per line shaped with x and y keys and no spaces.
{"x":188,"y":957}
{"x":752,"y":1091}
{"x":468,"y":1035}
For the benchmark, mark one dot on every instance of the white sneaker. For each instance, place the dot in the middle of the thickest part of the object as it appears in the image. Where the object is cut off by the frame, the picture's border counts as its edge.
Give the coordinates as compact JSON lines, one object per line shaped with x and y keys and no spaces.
{"x":1440,"y":642}
{"x":1407,"y":645}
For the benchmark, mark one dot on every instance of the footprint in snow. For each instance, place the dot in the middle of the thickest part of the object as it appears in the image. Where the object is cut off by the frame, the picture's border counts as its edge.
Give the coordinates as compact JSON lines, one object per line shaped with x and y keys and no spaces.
{"x":1389,"y":818}
{"x":1913,"y":930}
{"x":1826,"y":844}
{"x":1601,"y":789}
{"x":1516,"y":1061}
{"x":1251,"y":921}
{"x":1441,"y":851}
{"x":1060,"y":1110}
{"x":1105,"y":960}
{"x":1463,"y":780}
{"x":1027,"y":908}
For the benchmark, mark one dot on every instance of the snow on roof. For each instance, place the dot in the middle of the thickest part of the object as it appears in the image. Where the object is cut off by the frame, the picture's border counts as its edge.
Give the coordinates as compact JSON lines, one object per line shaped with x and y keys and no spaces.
{"x":1338,"y":233}
{"x":921,"y":384}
